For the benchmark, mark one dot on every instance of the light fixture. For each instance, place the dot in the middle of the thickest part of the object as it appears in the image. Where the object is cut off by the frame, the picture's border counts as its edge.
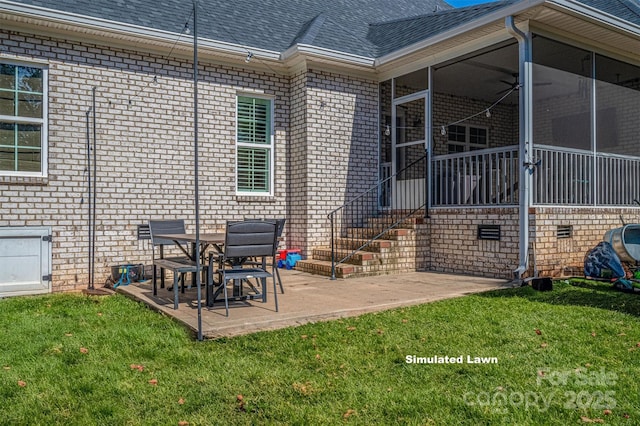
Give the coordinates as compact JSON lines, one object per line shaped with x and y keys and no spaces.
{"x":249,"y":56}
{"x":186,"y":28}
{"x":443,"y":131}
{"x":488,"y":113}
{"x":387,"y":130}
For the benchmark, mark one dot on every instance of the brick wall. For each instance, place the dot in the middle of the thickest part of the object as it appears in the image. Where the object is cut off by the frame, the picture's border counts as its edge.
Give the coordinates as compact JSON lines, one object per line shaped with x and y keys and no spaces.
{"x":565,"y":256}
{"x":447,"y":242}
{"x":342,"y":145}
{"x":144,"y":150}
{"x":325,"y":137}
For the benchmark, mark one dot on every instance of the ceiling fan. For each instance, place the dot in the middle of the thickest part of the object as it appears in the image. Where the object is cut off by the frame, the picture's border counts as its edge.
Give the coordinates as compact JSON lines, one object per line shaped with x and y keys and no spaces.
{"x":515,"y":84}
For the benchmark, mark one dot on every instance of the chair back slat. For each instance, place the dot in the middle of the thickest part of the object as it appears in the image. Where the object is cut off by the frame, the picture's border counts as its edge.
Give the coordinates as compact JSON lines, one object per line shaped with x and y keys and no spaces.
{"x":250,"y":238}
{"x":158,"y":227}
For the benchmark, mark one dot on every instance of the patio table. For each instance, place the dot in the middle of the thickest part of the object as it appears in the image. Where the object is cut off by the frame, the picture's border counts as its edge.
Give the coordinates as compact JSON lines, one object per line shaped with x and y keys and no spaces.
{"x":215,"y":240}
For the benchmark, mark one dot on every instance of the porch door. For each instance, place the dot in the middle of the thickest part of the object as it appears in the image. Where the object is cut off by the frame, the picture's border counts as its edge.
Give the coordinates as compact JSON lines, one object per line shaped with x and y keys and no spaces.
{"x":408,"y":141}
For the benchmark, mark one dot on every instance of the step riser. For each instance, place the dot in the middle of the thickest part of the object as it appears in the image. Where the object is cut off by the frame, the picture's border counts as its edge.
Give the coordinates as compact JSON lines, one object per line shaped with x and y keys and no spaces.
{"x":394,"y":252}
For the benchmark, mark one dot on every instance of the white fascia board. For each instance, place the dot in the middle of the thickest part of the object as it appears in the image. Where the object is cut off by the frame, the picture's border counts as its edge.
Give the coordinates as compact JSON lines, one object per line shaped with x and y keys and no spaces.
{"x":500,"y":14}
{"x":104,"y":25}
{"x":328,"y":54}
{"x":596,"y":15}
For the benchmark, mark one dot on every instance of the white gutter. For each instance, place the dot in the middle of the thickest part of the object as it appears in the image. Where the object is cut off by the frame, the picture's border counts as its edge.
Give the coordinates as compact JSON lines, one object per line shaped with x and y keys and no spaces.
{"x":99,"y":24}
{"x":514,"y":9}
{"x":526,"y":136}
{"x":596,"y":15}
{"x":330,"y":54}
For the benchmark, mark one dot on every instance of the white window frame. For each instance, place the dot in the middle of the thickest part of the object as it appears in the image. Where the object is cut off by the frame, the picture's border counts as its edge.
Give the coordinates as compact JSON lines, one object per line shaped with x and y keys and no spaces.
{"x":270,"y":146}
{"x":43,"y":122}
{"x":467,"y":138}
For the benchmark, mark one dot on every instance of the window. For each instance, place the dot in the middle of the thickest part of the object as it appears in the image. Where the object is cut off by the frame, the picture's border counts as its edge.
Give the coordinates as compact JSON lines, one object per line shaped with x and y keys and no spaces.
{"x":22,"y":120}
{"x":254,"y":165}
{"x":463,"y":138}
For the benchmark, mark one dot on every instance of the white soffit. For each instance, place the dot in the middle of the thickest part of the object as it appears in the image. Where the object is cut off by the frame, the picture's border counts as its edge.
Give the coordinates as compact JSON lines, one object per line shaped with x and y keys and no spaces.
{"x":589,"y":32}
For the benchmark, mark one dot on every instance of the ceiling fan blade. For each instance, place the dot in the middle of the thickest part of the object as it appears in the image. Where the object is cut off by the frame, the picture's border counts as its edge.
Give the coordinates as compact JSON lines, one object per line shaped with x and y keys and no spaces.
{"x":491,"y":67}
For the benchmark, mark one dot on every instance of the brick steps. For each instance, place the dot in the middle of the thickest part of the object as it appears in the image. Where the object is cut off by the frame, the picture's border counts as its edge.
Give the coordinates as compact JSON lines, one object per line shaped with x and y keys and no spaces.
{"x":393,"y":253}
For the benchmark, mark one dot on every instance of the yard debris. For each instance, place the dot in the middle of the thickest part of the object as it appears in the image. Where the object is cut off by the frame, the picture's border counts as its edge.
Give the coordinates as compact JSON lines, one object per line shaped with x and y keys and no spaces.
{"x":183,"y":423}
{"x":153,"y":382}
{"x":538,"y":332}
{"x":137,"y":367}
{"x":349,"y":413}
{"x":84,"y":350}
{"x":181,"y":401}
{"x":543,"y":345}
{"x":22,"y":383}
{"x":351,"y":328}
{"x":607,"y":412}
{"x":586,"y":419}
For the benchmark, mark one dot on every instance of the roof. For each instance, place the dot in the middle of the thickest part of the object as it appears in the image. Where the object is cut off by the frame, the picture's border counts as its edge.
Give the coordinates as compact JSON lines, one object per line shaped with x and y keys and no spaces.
{"x":629,"y":10}
{"x":393,"y":35}
{"x":273,"y":25}
{"x":366,"y":28}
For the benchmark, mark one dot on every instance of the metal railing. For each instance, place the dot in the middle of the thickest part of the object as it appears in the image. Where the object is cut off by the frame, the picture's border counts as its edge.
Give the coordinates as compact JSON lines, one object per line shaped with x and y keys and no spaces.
{"x":476,"y":178}
{"x":370,"y":215}
{"x":577,"y":177}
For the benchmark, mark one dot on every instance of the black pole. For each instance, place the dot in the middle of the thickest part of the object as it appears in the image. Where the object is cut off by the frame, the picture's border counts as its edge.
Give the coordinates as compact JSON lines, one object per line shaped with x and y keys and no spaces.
{"x":427,"y":181}
{"x":195,"y":155}
{"x":95,"y":172}
{"x":89,"y":239}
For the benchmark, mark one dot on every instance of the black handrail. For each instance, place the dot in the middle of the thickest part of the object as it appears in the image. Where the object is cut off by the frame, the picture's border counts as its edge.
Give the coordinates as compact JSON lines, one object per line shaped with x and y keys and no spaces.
{"x":370,"y":215}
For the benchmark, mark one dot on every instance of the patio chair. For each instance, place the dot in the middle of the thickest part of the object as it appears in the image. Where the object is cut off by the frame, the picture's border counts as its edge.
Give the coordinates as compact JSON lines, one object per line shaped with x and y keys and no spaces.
{"x":159,"y":227}
{"x":279,"y":229}
{"x":245,"y":240}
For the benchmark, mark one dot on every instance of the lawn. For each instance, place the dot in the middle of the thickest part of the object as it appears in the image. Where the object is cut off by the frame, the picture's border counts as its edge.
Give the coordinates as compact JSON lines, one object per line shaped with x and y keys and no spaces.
{"x":570,"y":356}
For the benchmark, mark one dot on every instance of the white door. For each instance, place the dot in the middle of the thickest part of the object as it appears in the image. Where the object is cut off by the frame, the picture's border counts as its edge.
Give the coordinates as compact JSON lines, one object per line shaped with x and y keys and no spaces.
{"x":25,"y":260}
{"x":408,"y":141}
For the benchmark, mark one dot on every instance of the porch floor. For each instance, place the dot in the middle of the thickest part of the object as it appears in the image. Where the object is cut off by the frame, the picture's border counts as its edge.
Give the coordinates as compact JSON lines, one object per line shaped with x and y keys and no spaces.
{"x":311,"y":298}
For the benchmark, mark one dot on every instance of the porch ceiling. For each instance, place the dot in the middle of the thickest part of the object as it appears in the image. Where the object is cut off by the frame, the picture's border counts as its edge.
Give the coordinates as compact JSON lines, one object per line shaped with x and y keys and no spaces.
{"x":591,"y":31}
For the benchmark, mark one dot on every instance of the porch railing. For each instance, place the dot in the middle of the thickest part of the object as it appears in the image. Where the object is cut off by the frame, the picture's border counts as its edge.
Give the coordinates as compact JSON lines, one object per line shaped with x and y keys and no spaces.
{"x":476,"y":178}
{"x":358,"y":223}
{"x":568,"y":177}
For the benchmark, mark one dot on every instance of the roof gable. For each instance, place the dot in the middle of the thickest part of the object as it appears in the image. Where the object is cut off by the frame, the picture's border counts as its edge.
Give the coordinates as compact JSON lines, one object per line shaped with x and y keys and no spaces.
{"x":394,"y":35}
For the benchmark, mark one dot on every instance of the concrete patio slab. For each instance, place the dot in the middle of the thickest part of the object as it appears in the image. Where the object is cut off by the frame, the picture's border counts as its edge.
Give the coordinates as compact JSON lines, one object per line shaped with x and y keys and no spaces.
{"x":311,"y":298}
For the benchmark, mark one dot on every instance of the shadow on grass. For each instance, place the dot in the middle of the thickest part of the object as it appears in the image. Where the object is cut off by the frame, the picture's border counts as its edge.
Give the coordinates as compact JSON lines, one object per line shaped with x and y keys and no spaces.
{"x":578,"y":292}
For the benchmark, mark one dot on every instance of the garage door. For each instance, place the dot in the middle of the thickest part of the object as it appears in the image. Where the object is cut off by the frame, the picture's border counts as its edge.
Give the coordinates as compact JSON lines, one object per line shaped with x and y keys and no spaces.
{"x":25,"y":260}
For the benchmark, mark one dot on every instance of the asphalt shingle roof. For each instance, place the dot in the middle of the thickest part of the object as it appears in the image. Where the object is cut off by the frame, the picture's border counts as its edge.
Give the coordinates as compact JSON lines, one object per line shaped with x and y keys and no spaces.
{"x":268,"y":24}
{"x":394,"y":35}
{"x":629,"y":10}
{"x":369,"y":28}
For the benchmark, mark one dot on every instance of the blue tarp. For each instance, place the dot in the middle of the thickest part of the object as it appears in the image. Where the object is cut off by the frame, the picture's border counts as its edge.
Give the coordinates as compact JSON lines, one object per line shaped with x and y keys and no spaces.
{"x":603,"y":262}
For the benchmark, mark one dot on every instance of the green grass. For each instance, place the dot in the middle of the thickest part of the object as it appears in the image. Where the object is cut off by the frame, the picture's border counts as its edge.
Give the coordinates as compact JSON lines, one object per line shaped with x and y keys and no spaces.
{"x":351,"y":371}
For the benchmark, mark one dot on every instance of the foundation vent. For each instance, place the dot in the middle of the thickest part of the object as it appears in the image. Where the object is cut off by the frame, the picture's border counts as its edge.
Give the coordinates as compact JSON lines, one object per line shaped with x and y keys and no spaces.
{"x":489,"y":232}
{"x":564,"y":231}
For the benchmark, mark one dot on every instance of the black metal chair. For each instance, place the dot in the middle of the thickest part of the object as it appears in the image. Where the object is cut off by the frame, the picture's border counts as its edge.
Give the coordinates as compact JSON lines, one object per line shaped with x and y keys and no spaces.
{"x":245,"y":240}
{"x":159,"y":227}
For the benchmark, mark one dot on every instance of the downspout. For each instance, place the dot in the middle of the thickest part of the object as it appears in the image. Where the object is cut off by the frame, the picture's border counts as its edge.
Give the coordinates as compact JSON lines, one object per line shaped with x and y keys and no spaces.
{"x":525,"y":133}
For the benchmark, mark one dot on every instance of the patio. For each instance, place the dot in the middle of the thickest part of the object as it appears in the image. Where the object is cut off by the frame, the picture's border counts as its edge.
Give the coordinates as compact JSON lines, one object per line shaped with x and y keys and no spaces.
{"x":312,"y":298}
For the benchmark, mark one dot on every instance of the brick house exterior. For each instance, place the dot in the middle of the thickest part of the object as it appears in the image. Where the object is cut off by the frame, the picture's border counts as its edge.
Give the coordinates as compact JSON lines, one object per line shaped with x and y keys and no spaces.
{"x":326,"y":115}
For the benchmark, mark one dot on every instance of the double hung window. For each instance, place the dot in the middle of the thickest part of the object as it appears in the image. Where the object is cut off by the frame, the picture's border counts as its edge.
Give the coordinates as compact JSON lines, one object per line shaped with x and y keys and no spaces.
{"x":22,"y":120}
{"x":254,"y":164}
{"x":462,"y":138}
